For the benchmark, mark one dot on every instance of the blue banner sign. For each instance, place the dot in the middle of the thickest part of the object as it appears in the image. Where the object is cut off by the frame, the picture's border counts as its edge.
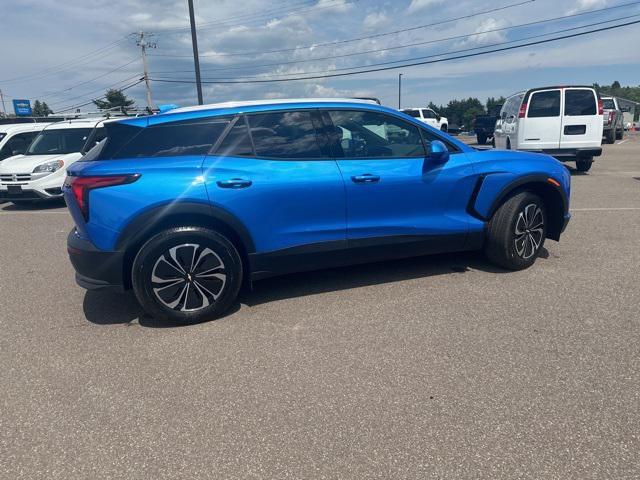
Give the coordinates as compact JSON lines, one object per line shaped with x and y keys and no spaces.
{"x":22,"y":107}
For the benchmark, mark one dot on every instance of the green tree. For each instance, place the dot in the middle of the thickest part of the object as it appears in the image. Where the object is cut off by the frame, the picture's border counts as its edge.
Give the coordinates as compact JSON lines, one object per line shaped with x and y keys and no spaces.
{"x":41,"y":109}
{"x":113,"y":98}
{"x":494,"y":103}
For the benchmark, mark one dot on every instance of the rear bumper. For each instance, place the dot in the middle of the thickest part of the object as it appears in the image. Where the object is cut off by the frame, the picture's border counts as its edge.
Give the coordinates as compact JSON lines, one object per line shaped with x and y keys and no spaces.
{"x":95,"y":269}
{"x":565,"y":154}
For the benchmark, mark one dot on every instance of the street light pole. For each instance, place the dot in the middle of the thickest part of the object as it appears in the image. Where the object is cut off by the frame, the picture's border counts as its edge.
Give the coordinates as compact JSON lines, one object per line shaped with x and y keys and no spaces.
{"x":399,"y":91}
{"x":196,"y":60}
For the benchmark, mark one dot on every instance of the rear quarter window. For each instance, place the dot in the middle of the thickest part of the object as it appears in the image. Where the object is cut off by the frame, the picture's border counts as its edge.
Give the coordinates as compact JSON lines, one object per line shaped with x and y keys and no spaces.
{"x":190,"y":137}
{"x":579,"y":102}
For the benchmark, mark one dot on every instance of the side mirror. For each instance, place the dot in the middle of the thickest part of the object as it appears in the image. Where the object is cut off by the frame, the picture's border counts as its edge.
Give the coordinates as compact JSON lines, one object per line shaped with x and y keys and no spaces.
{"x":438,"y":152}
{"x":438,"y":117}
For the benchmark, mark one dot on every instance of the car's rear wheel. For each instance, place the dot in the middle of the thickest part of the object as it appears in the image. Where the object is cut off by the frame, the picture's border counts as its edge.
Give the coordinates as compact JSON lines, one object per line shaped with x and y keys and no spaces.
{"x":619,"y":134}
{"x":187,"y":275}
{"x":610,"y":136}
{"x":444,"y":128}
{"x":516,"y":232}
{"x":482,"y":139}
{"x":584,"y":164}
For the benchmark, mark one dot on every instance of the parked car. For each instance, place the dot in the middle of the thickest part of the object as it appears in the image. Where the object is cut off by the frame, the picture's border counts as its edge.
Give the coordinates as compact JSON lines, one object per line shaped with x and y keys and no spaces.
{"x":565,"y":122}
{"x":184,"y":207}
{"x":612,"y":119}
{"x":484,"y":125}
{"x":428,"y":116}
{"x":16,"y":138}
{"x":38,"y":173}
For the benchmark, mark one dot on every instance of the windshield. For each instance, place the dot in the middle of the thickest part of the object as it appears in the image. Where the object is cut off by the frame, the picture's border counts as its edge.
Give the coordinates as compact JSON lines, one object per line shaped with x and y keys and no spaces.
{"x":608,"y":104}
{"x":68,"y":140}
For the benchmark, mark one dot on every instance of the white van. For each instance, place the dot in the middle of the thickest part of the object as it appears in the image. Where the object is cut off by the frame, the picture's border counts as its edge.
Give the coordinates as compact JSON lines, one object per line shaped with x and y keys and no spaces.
{"x":565,"y":122}
{"x":39,"y":173}
{"x":15,"y":138}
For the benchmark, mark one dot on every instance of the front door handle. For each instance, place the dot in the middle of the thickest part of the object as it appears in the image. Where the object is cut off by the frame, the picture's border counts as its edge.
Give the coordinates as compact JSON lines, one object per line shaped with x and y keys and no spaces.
{"x":365,"y":178}
{"x":234,"y":183}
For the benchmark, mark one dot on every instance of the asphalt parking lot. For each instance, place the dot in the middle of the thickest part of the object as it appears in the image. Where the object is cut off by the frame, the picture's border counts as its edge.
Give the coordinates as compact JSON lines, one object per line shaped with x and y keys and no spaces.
{"x":436,"y":367}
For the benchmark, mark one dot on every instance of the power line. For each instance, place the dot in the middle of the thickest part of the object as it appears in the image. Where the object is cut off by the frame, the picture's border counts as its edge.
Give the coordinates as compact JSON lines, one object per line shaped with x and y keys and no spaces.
{"x":138,"y":76}
{"x":350,"y":40}
{"x":56,"y":93}
{"x":252,"y":17}
{"x":397,"y":47}
{"x":73,"y":107}
{"x":66,"y":65}
{"x":481,"y":47}
{"x":370,"y":70}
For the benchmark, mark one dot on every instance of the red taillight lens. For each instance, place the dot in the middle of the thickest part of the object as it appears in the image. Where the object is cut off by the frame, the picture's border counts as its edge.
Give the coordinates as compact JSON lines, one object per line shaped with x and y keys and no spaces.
{"x":600,"y":107}
{"x":523,"y":110}
{"x":81,"y":186}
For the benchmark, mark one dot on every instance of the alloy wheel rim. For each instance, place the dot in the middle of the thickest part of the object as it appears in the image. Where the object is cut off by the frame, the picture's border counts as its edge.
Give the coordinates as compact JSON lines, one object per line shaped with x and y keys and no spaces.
{"x":188,"y":277}
{"x":529,"y":231}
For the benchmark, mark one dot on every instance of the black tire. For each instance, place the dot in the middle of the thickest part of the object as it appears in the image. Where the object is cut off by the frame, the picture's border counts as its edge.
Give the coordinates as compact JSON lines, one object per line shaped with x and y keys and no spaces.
{"x":444,"y":128}
{"x":619,"y":134}
{"x":513,"y":239}
{"x":508,"y":144}
{"x":197,"y":296}
{"x":493,"y":142}
{"x":584,"y":164}
{"x":482,"y":139}
{"x":610,"y":136}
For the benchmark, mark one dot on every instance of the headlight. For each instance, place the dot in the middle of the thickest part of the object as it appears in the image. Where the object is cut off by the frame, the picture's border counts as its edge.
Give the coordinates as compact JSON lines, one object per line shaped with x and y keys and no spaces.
{"x":49,"y":167}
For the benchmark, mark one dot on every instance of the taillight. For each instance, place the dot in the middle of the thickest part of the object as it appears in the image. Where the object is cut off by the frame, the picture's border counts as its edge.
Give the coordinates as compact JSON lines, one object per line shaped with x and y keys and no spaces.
{"x":81,"y":186}
{"x":523,"y":110}
{"x":600,"y":107}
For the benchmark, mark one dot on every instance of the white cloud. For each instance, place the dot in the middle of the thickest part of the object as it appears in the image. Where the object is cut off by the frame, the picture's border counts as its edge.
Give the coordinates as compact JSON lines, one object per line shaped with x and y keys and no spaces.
{"x":487,"y":33}
{"x":420,"y":5}
{"x":375,"y":20}
{"x":582,"y":5}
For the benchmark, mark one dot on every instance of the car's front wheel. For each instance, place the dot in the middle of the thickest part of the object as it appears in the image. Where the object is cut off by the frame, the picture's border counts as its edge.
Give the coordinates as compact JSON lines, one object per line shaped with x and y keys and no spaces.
{"x":516,"y":232}
{"x":187,"y":275}
{"x":584,"y":164}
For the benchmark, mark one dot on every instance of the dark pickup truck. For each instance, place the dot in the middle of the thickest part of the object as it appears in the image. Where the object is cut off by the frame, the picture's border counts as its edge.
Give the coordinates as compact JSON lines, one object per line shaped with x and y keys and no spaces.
{"x":484,"y":125}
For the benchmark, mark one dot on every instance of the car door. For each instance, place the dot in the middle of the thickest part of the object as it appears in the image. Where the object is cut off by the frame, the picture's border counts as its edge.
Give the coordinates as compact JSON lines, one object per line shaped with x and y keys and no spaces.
{"x":430,"y":118}
{"x":581,"y":123}
{"x":540,"y":129}
{"x":274,"y":174}
{"x":394,"y":192}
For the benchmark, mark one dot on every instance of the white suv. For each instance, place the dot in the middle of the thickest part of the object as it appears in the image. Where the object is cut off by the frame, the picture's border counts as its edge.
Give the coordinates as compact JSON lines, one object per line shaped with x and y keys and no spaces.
{"x":15,"y":138}
{"x":565,"y":122}
{"x":428,"y":116}
{"x":39,"y":173}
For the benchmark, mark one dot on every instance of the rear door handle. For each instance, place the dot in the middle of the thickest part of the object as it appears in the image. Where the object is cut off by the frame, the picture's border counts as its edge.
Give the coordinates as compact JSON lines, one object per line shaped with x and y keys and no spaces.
{"x":234,"y":183}
{"x":365,"y":178}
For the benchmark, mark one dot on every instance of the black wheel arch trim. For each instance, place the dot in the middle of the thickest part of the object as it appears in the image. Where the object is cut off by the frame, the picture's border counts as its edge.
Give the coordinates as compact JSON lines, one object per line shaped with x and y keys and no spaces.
{"x":138,"y":228}
{"x":539,"y":179}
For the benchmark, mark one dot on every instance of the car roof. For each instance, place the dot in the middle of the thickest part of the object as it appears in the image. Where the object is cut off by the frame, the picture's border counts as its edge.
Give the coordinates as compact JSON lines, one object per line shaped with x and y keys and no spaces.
{"x":252,"y":106}
{"x":22,"y":127}
{"x":77,"y":123}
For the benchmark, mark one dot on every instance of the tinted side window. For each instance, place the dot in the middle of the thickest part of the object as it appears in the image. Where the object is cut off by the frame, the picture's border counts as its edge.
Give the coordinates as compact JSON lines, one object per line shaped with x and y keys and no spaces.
{"x":237,"y":142}
{"x":428,"y":114}
{"x":18,"y":143}
{"x":579,"y":102}
{"x":544,"y":104}
{"x":284,"y":135}
{"x":412,"y":113}
{"x":365,"y":134}
{"x":174,"y":139}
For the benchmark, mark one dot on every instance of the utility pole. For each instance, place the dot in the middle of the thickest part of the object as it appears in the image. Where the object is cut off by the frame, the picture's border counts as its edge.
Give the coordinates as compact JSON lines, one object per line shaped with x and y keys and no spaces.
{"x":196,"y":59}
{"x":4,"y":109}
{"x":399,"y":91}
{"x":143,"y":43}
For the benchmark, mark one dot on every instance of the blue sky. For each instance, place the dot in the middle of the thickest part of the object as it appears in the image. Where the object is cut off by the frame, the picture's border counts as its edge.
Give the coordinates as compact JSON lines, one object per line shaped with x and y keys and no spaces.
{"x":68,"y":52}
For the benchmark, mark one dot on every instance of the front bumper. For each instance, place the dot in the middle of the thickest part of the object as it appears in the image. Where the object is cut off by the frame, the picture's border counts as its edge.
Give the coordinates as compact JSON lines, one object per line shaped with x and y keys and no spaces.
{"x":95,"y":269}
{"x":10,"y":194}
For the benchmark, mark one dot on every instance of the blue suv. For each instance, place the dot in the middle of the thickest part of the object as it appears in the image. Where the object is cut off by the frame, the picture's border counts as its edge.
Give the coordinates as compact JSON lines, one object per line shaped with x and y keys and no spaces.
{"x":186,"y":206}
